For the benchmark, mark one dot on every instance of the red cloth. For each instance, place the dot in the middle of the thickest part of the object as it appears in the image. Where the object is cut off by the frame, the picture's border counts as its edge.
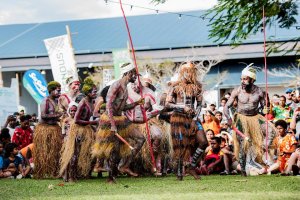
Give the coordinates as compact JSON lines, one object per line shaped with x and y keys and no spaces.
{"x":22,"y":137}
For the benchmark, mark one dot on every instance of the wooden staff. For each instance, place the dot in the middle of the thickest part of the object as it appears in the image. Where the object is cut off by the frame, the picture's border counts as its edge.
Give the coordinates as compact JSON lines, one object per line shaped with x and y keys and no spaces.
{"x":123,"y":140}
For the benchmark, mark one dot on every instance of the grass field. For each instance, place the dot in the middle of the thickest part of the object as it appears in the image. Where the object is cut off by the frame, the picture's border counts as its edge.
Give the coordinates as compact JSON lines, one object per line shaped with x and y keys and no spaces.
{"x":210,"y":187}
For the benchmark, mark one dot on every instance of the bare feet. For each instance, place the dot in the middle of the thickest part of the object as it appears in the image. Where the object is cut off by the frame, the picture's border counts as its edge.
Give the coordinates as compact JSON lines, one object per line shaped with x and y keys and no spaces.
{"x":128,"y":171}
{"x":243,"y":173}
{"x":194,"y":174}
{"x":111,"y":181}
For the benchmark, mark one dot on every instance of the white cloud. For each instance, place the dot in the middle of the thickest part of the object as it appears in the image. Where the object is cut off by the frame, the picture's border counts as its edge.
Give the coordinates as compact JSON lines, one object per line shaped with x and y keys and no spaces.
{"x":32,"y":11}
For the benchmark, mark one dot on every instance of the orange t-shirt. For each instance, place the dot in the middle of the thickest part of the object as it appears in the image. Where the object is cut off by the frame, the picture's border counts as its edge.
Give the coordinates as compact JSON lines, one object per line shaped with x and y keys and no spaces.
{"x":284,"y":144}
{"x":24,"y":150}
{"x":213,"y":126}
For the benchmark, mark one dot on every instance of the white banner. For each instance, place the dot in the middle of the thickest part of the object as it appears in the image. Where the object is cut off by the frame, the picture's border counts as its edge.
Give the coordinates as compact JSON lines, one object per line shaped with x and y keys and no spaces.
{"x":107,"y":76}
{"x":62,"y":59}
{"x":8,"y":100}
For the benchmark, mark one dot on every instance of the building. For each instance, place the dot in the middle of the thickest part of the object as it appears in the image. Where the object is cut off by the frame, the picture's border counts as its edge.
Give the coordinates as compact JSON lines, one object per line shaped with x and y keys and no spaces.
{"x":158,"y":37}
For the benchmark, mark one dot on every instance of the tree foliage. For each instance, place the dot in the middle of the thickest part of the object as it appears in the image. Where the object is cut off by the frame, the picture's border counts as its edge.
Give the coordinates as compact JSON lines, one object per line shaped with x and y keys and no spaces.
{"x":236,"y":20}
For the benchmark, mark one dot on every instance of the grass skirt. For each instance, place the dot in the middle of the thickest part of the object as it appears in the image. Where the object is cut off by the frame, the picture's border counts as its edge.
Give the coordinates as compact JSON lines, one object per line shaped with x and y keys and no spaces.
{"x":252,"y":127}
{"x":46,"y":151}
{"x":181,"y":123}
{"x":85,"y":135}
{"x":165,"y":147}
{"x":105,"y":141}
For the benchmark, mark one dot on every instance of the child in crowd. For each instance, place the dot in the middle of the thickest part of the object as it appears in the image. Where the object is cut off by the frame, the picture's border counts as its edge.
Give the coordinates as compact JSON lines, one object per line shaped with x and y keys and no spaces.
{"x":12,"y":165}
{"x":213,"y":162}
{"x":285,"y":145}
{"x":1,"y":160}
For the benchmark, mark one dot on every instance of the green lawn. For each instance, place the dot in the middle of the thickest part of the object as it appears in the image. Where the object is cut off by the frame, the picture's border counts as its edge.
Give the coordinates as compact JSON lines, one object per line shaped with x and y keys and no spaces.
{"x":210,"y":187}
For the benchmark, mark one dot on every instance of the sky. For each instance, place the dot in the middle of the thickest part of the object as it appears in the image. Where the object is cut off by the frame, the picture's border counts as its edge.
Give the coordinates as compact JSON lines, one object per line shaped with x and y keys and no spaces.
{"x":37,"y":11}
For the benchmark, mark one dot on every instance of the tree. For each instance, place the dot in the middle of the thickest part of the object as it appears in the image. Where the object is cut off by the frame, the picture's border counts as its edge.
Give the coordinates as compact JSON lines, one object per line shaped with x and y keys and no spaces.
{"x":236,"y":20}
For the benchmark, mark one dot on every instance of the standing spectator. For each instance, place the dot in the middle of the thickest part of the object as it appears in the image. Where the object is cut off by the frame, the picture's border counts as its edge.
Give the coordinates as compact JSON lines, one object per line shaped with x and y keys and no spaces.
{"x":22,"y":113}
{"x":295,"y":123}
{"x":222,"y":104}
{"x":33,"y":121}
{"x":288,"y":95}
{"x":295,"y":102}
{"x":212,"y":108}
{"x":282,"y":111}
{"x":219,"y":115}
{"x":227,"y":96}
{"x":275,"y":100}
{"x":10,"y":124}
{"x":23,"y":134}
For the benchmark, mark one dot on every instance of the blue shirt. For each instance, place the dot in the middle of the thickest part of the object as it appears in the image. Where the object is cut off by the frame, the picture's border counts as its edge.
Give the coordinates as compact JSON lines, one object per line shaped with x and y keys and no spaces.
{"x":1,"y":162}
{"x":17,"y":162}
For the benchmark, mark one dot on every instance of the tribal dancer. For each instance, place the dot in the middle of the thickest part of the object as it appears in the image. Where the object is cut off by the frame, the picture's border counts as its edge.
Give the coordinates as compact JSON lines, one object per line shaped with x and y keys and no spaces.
{"x":48,"y":137}
{"x":156,"y":128}
{"x":248,"y":121}
{"x":186,"y":132}
{"x":73,"y":90}
{"x":70,"y":119}
{"x":112,"y":122}
{"x":76,"y":157}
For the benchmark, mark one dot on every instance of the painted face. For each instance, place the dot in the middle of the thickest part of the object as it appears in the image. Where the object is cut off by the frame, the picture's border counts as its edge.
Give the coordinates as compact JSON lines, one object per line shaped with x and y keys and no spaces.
{"x":135,"y":87}
{"x":56,"y":93}
{"x":72,"y":111}
{"x":75,"y":86}
{"x":132,"y":76}
{"x":245,"y":80}
{"x":93,"y":93}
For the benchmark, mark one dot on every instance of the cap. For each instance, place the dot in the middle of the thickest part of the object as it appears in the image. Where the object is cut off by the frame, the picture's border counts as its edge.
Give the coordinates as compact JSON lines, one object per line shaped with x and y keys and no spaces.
{"x":289,"y":90}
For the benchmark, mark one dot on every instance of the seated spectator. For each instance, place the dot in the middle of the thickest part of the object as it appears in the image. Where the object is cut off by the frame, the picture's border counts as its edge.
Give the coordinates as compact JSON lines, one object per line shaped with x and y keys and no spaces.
{"x":211,"y":122}
{"x":1,"y":160}
{"x":285,"y":145}
{"x":209,"y":135}
{"x":26,"y":156}
{"x":293,"y":164}
{"x":213,"y":161}
{"x":23,"y":134}
{"x":12,"y":165}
